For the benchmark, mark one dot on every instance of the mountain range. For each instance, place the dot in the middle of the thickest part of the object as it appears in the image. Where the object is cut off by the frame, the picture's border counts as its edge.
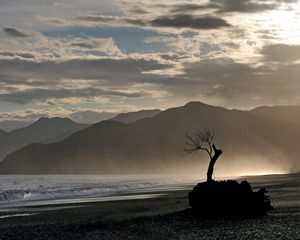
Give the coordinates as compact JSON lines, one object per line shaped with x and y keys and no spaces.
{"x":284,"y":113}
{"x":48,"y":130}
{"x":2,"y":133}
{"x":250,"y":140}
{"x":44,"y":130}
{"x":135,"y":116}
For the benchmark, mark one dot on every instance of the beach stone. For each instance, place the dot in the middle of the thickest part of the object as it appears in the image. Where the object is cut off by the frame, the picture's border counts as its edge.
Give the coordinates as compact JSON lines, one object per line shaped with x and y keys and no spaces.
{"x":230,"y":198}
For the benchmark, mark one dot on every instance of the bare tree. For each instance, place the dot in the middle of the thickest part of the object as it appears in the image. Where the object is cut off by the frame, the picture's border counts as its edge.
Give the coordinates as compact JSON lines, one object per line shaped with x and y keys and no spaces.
{"x":203,"y":141}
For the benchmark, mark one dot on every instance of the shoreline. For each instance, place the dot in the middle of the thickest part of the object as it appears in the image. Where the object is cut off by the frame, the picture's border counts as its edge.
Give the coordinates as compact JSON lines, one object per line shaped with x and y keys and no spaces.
{"x":163,"y":217}
{"x":166,"y":201}
{"x":135,"y":194}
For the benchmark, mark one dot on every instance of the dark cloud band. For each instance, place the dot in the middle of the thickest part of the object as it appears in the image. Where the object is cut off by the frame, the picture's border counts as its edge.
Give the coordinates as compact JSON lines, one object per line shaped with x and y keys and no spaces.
{"x":15,"y":32}
{"x":175,"y":21}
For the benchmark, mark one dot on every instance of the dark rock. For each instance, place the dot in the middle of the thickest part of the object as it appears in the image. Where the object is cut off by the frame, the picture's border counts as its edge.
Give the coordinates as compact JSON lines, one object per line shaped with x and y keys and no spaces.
{"x":228,"y":198}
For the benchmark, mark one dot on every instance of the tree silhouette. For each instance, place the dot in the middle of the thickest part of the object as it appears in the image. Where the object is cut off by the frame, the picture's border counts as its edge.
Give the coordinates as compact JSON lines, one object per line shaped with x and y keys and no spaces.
{"x":203,"y":141}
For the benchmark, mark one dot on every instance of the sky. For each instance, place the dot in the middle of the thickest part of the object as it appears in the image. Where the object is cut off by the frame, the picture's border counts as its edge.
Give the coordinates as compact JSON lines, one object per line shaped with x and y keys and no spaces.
{"x":85,"y":59}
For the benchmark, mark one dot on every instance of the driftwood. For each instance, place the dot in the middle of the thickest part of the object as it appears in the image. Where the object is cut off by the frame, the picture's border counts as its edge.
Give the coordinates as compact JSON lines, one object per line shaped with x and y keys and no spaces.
{"x":228,"y":198}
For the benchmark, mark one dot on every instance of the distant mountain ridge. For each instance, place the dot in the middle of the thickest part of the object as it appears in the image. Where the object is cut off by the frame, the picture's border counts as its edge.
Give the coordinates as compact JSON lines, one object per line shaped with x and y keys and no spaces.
{"x":155,"y":145}
{"x":2,"y":132}
{"x":135,"y":116}
{"x":44,"y":130}
{"x":50,"y":130}
{"x":285,"y":113}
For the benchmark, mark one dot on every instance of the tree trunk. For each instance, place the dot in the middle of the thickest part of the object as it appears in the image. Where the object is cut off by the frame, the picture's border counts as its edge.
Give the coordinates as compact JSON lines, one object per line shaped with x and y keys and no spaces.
{"x":217,"y":153}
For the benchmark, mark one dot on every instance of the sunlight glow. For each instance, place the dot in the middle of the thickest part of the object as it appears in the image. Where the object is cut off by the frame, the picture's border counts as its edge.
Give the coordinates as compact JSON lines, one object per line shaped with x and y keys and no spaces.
{"x":262,"y":173}
{"x":282,"y":24}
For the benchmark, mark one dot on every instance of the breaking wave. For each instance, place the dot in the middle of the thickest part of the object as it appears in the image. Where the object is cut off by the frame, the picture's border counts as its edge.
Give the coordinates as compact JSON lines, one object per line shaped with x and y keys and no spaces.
{"x":22,"y":189}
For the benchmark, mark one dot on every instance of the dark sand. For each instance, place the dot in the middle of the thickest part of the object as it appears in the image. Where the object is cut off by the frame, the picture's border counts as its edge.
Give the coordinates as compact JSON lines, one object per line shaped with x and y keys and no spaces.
{"x":165,"y":217}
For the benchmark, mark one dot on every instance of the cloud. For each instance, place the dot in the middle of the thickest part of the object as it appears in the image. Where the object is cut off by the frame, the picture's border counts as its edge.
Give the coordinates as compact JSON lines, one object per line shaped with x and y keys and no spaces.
{"x":245,"y":6}
{"x":173,"y":21}
{"x":185,"y":46}
{"x":134,"y":8}
{"x":105,"y":45}
{"x":110,"y":20}
{"x":107,"y":69}
{"x":79,"y":80}
{"x":39,"y":94}
{"x":178,"y":44}
{"x":16,"y":32}
{"x":230,"y":6}
{"x":76,"y":81}
{"x":217,"y":69}
{"x":14,"y":54}
{"x":188,"y":21}
{"x":188,"y":7}
{"x":37,"y":45}
{"x":281,"y":53}
{"x":240,"y":84}
{"x":204,"y":50}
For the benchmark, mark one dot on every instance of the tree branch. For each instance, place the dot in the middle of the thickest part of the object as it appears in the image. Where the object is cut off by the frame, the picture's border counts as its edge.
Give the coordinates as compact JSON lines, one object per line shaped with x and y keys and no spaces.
{"x":199,"y":141}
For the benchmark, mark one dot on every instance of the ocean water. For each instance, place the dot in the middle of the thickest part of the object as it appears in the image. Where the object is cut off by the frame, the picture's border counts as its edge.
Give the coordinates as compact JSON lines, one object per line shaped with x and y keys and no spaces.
{"x":18,"y":191}
{"x":31,"y":190}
